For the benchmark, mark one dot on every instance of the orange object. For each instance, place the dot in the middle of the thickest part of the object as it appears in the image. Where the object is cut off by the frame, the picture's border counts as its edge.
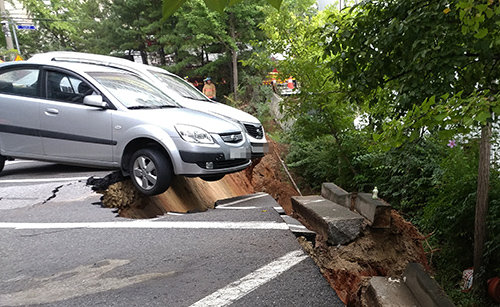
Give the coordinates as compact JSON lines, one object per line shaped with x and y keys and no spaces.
{"x":494,"y":288}
{"x":290,"y":83}
{"x":18,"y":58}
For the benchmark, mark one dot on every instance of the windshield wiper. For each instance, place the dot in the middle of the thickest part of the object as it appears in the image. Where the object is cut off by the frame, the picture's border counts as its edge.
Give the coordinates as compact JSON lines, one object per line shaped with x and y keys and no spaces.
{"x":167,"y":106}
{"x":140,"y":107}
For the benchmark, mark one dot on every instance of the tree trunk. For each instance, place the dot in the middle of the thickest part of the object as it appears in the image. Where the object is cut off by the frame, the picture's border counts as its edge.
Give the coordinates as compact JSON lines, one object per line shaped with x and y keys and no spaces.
{"x":234,"y":55}
{"x":483,"y":182}
{"x":203,"y":55}
{"x":144,"y":56}
{"x":161,"y":51}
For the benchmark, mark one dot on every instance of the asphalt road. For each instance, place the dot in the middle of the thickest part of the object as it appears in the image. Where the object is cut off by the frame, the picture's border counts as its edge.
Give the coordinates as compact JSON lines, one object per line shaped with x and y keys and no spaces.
{"x":59,"y":248}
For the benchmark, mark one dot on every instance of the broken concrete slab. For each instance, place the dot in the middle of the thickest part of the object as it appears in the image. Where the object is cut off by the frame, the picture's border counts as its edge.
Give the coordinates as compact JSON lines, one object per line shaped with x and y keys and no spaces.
{"x":388,"y":292}
{"x":336,"y":194}
{"x":184,"y":195}
{"x":333,"y":222}
{"x":414,"y":288}
{"x":377,"y":211}
{"x":297,"y":228}
{"x":424,"y":288}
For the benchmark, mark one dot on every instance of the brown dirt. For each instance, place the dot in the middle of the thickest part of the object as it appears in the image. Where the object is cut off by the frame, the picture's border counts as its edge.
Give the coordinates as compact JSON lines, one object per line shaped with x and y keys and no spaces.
{"x":379,"y":252}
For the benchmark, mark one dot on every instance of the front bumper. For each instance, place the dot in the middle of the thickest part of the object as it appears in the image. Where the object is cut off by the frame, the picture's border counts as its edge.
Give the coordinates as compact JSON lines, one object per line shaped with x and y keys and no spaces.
{"x":214,"y":159}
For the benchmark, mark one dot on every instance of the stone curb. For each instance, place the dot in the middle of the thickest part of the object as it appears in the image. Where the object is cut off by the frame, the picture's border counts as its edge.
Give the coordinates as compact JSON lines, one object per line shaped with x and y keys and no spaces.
{"x":376,"y":211}
{"x":335,"y":223}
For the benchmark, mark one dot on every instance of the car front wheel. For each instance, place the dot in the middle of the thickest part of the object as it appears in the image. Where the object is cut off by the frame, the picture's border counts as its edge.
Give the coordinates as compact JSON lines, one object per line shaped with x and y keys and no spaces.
{"x":151,"y":171}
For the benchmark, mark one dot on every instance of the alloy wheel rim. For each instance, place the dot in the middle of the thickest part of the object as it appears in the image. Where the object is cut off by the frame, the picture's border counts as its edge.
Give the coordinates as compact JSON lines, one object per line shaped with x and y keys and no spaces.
{"x":144,"y":171}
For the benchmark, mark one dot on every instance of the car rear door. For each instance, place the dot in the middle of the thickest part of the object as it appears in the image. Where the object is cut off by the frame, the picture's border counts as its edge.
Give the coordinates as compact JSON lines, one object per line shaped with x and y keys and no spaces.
{"x":19,"y":111}
{"x":70,"y":130}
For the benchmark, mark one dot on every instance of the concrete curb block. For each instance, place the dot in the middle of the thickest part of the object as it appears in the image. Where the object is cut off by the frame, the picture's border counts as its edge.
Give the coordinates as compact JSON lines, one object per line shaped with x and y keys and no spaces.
{"x":425,"y":289}
{"x":336,"y":194}
{"x":335,"y":223}
{"x":414,"y":288}
{"x":376,"y":211}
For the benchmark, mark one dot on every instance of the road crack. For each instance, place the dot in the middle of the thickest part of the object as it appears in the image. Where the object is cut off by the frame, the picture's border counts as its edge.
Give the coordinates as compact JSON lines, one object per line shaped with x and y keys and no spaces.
{"x":54,"y":193}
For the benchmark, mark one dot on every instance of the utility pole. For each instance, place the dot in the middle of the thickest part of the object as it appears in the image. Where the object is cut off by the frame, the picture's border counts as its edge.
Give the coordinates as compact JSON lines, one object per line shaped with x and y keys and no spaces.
{"x":5,"y":26}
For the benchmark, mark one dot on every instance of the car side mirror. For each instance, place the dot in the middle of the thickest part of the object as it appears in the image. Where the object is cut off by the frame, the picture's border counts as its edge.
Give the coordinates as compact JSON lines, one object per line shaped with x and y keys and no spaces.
{"x":94,"y":101}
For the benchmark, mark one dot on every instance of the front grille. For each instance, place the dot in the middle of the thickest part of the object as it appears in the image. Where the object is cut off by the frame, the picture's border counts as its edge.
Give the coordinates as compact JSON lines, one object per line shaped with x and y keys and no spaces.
{"x":232,"y":138}
{"x":225,"y":163}
{"x":255,"y":131}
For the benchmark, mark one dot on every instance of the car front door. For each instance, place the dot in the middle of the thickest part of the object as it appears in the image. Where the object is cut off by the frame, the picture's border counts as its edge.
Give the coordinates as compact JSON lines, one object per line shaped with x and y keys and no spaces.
{"x":70,"y":130}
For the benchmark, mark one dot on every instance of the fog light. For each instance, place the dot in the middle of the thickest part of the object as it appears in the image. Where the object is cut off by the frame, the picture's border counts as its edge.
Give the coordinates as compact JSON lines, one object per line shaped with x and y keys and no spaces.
{"x":209,"y":165}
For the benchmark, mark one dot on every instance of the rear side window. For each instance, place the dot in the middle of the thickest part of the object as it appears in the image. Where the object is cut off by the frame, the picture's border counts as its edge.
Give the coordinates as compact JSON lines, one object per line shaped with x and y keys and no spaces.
{"x":21,"y":82}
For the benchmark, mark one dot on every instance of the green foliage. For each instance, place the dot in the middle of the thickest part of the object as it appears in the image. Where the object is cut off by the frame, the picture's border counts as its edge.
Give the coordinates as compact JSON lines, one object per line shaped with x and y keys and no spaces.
{"x":422,"y":73}
{"x":449,"y":216}
{"x":171,"y":6}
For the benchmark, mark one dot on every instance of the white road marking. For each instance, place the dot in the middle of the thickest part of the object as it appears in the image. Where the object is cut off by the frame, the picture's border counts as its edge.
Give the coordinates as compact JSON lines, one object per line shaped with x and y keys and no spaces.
{"x":43,"y":180}
{"x":237,"y":208}
{"x":149,"y":224}
{"x":252,"y":281}
{"x":259,"y":195}
{"x":297,"y":226}
{"x":80,"y":281}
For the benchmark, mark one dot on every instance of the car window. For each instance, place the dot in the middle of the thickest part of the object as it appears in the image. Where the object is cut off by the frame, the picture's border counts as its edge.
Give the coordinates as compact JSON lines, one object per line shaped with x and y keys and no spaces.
{"x":64,"y":87}
{"x":132,"y":91}
{"x":22,"y":82}
{"x":179,"y":86}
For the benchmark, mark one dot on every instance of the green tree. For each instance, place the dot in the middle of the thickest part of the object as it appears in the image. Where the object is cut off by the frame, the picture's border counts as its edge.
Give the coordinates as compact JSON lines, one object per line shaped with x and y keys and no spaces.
{"x":417,"y":51}
{"x":170,"y":6}
{"x":196,"y":32}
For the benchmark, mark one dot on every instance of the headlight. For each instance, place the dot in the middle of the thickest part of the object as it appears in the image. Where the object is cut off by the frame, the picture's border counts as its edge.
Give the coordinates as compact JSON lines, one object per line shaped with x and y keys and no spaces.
{"x":194,"y":134}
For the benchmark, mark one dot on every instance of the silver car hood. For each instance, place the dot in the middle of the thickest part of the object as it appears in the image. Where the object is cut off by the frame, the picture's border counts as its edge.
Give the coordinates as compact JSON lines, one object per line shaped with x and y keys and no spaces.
{"x":172,"y":116}
{"x":216,"y":108}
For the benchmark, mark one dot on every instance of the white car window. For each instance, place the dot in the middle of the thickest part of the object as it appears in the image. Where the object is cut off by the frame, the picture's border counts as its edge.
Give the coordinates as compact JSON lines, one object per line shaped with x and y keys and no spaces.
{"x":132,"y":91}
{"x":178,"y":85}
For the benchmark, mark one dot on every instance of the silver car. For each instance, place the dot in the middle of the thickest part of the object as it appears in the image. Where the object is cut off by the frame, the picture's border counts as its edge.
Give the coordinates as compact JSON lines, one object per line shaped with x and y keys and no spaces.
{"x":99,"y":116}
{"x":178,"y":89}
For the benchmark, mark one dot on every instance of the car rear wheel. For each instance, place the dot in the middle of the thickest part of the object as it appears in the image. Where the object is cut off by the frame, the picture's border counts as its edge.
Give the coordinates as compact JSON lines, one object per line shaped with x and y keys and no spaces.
{"x":151,"y":171}
{"x":212,"y":178}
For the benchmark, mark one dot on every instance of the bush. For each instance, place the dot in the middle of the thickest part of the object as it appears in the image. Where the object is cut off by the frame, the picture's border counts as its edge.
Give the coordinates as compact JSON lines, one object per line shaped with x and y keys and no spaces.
{"x":450,"y":216}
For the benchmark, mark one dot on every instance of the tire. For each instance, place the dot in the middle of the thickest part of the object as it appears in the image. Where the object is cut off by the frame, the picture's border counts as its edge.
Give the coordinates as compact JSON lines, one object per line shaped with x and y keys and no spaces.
{"x":212,"y":178}
{"x":2,"y":162}
{"x":150,"y":171}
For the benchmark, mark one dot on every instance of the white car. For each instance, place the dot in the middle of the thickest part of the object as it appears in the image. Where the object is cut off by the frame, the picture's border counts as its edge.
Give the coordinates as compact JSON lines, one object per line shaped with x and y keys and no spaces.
{"x":178,"y":89}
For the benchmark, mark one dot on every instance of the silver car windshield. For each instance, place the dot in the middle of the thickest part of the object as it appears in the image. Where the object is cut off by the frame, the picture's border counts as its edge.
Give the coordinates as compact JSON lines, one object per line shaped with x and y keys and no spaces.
{"x":178,"y":85}
{"x":132,"y":91}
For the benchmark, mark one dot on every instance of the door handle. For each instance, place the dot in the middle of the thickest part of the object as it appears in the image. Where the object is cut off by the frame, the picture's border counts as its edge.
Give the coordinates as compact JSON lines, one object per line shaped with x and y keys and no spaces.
{"x":51,"y":111}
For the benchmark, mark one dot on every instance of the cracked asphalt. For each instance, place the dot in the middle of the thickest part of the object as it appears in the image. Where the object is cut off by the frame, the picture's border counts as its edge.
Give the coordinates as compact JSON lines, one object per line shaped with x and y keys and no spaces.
{"x":58,"y":247}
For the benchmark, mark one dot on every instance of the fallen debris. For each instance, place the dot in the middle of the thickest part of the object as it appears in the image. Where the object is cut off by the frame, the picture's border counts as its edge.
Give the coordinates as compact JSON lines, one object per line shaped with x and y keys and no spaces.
{"x":378,"y":252}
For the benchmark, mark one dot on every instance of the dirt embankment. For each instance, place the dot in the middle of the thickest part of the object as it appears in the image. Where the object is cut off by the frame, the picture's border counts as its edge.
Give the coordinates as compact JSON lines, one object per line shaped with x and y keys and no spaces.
{"x":378,"y":252}
{"x":347,"y":268}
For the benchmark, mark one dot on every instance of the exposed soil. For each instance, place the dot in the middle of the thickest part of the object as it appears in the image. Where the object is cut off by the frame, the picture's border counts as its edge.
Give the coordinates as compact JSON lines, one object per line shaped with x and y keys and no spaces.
{"x":379,"y":252}
{"x":347,"y":268}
